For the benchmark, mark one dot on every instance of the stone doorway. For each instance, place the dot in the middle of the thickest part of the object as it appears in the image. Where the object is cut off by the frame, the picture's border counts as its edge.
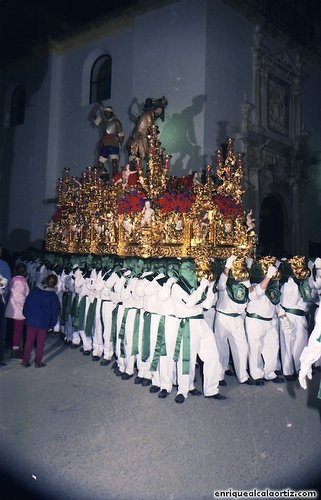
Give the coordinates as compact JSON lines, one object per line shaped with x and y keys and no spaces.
{"x":271,"y":230}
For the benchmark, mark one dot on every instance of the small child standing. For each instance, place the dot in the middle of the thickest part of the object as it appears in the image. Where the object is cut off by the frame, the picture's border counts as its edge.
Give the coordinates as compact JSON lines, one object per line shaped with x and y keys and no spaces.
{"x":41,"y":309}
{"x":19,"y":290}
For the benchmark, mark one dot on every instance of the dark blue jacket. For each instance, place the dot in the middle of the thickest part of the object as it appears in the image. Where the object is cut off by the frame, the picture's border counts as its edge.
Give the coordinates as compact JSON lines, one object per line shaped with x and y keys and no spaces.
{"x":41,"y":308}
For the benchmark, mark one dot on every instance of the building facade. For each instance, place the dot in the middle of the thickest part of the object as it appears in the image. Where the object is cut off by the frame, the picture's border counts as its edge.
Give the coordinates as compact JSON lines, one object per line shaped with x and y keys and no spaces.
{"x":225,"y":73}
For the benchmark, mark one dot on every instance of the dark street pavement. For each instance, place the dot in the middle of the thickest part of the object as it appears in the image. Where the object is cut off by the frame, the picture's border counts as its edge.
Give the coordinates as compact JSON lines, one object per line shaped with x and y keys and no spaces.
{"x":73,"y":430}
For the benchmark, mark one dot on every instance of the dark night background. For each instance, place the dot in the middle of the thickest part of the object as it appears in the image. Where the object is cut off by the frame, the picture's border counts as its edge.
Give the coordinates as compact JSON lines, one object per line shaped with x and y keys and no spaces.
{"x":27,"y":23}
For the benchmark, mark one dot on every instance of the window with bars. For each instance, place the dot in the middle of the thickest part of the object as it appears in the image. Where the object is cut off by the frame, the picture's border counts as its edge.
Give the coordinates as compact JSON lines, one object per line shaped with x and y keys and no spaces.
{"x":18,"y":105}
{"x":100,"y":79}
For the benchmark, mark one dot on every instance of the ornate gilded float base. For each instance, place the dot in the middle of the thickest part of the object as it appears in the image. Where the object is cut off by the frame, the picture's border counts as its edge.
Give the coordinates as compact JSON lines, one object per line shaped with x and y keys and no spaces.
{"x":156,"y":215}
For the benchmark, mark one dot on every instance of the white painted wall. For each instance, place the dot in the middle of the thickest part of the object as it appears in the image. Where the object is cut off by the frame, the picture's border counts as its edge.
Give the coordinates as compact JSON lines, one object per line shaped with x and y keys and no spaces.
{"x":228,"y":74}
{"x":169,"y":59}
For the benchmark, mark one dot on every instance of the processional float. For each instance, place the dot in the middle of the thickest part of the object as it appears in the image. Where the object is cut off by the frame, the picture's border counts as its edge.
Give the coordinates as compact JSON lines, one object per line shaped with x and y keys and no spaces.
{"x":146,"y":212}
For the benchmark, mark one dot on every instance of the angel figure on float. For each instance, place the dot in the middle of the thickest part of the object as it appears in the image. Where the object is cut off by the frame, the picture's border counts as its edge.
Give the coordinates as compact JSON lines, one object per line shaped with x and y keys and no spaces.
{"x":250,"y":222}
{"x":148,"y":215}
{"x":127,"y":177}
{"x":179,"y":225}
{"x":228,"y":227}
{"x":128,"y":226}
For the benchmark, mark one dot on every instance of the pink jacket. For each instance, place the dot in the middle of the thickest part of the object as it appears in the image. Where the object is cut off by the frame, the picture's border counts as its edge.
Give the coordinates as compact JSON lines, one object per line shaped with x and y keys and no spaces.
{"x":19,"y":290}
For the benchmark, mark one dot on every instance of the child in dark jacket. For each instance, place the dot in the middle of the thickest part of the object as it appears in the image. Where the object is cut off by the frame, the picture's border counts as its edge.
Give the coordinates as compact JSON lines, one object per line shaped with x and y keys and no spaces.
{"x":41,"y":310}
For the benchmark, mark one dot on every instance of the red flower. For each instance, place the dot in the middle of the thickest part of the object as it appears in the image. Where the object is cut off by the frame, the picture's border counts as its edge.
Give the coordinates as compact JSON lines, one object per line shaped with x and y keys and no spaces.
{"x":172,"y":201}
{"x":227,"y":206}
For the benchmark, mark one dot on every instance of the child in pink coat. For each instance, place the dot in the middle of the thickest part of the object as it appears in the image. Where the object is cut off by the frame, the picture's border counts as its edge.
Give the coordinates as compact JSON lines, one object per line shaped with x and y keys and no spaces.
{"x":19,"y":290}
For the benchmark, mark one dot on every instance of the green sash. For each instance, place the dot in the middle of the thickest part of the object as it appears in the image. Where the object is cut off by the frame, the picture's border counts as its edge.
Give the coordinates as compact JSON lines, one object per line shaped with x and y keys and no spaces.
{"x":135,"y":333}
{"x":90,"y":318}
{"x":79,"y":319}
{"x":114,"y":326}
{"x":74,"y":305}
{"x":233,"y":315}
{"x":146,"y":336}
{"x":101,"y":316}
{"x":183,"y":335}
{"x":121,"y":334}
{"x":160,"y":348}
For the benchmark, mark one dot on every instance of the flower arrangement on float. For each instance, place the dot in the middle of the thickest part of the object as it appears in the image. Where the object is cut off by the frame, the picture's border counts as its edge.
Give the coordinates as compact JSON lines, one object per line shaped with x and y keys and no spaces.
{"x":173,"y":201}
{"x":132,"y":202}
{"x":170,"y":201}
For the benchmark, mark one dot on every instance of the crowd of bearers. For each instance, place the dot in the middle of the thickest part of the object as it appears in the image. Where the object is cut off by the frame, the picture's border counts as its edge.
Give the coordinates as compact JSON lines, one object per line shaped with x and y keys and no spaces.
{"x":155,"y":320}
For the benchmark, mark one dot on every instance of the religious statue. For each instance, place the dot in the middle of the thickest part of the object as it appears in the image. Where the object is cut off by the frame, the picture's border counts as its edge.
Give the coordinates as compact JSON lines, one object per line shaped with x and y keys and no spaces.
{"x":112,"y":136}
{"x":137,"y":143}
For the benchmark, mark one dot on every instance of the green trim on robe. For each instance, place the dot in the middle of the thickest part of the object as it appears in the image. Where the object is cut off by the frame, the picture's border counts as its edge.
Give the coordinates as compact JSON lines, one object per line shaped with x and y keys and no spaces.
{"x":305,"y":290}
{"x":256,"y":316}
{"x":273,"y":292}
{"x":296,"y":312}
{"x":237,"y":292}
{"x":233,"y":315}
